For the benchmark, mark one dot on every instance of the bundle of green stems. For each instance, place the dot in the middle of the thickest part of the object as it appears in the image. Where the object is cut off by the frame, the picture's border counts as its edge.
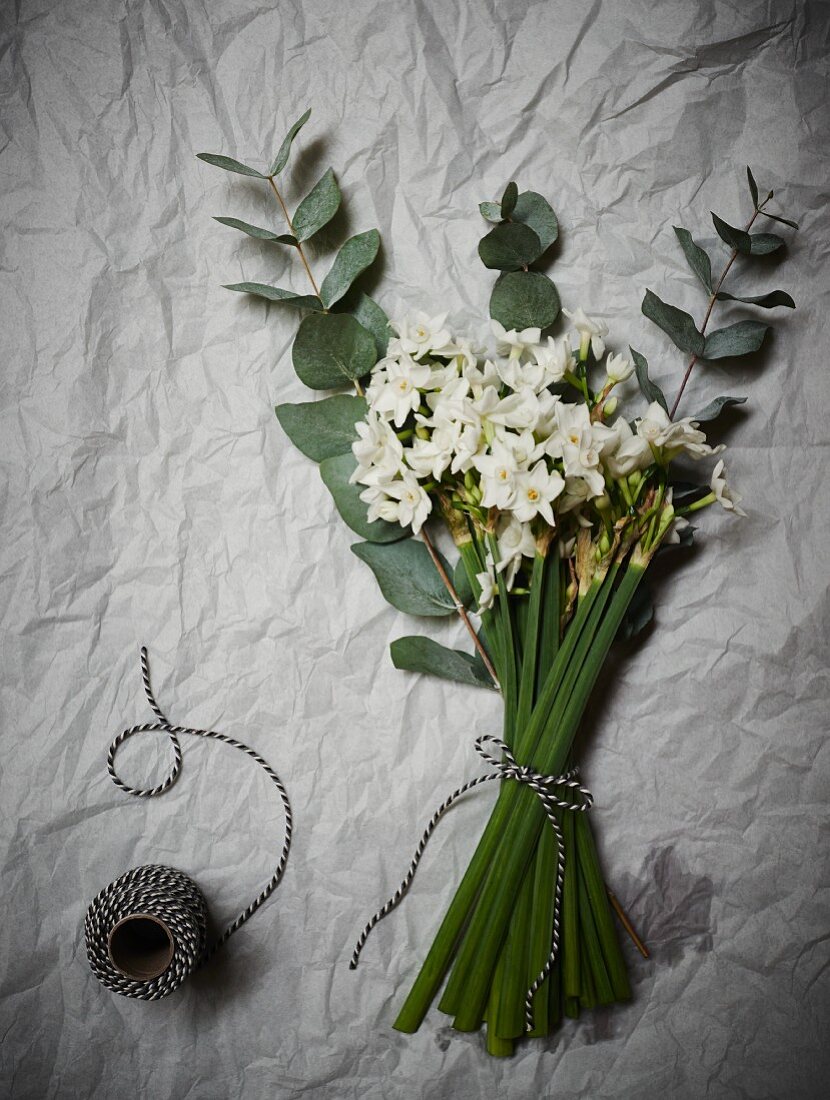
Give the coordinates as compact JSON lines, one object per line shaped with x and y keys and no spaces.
{"x":548,"y":643}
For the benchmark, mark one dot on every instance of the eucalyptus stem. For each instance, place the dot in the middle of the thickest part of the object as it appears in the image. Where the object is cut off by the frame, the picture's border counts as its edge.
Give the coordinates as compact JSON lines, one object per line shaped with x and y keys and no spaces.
{"x":459,"y":605}
{"x":713,"y":298}
{"x":299,"y":245}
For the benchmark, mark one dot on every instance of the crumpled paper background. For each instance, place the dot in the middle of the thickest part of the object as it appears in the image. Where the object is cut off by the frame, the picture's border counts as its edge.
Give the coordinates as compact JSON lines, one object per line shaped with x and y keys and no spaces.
{"x":150,"y":497}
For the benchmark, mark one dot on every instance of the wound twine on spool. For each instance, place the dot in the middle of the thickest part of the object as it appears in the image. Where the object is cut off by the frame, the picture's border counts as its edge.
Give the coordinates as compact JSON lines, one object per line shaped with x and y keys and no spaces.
{"x":542,"y":786}
{"x":147,"y":931}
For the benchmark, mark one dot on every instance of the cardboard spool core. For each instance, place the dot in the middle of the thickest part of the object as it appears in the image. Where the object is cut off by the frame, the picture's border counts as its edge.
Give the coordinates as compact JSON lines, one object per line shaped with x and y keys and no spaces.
{"x":141,"y":946}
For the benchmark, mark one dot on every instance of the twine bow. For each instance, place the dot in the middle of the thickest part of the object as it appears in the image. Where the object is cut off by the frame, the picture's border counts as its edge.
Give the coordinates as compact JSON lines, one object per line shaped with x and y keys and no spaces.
{"x":502,"y":766}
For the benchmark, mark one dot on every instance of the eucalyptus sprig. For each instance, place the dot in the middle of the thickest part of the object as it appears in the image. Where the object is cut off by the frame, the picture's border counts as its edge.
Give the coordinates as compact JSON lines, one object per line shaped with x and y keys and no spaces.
{"x":525,"y":227}
{"x":339,"y":341}
{"x":741,"y":338}
{"x":342,"y":337}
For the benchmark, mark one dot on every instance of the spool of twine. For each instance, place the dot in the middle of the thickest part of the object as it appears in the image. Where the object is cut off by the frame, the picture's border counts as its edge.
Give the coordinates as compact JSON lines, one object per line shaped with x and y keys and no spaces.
{"x":147,"y":931}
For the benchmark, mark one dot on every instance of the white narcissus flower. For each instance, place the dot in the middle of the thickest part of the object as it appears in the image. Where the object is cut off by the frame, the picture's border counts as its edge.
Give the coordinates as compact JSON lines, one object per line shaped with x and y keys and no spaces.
{"x":623,"y":452}
{"x":512,"y":343}
{"x":405,"y":503}
{"x":400,"y":395}
{"x":499,"y":471}
{"x":515,"y":541}
{"x":377,"y":448}
{"x":591,"y":332}
{"x":575,"y":495}
{"x":536,"y":491}
{"x":467,"y":446}
{"x":555,"y":359}
{"x":431,"y":457}
{"x":523,"y":445}
{"x":673,"y":535}
{"x":723,"y":494}
{"x":674,"y":437}
{"x":480,"y":377}
{"x":517,"y":410}
{"x":517,"y":375}
{"x":618,"y":368}
{"x":421,"y":335}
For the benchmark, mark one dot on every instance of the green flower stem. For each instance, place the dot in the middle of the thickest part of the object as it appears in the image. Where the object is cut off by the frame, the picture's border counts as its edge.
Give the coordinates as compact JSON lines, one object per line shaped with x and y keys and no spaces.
{"x":589,"y":938}
{"x":550,"y":615}
{"x":509,"y":986}
{"x":571,"y":962}
{"x":443,"y":948}
{"x":541,"y":927}
{"x":485,"y":934}
{"x":531,"y":646}
{"x":603,"y":918}
{"x":532,"y":920}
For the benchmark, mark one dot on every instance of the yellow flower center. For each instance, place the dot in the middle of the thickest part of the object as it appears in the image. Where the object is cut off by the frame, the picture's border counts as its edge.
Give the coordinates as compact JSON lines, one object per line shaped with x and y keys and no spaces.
{"x":533,"y":495}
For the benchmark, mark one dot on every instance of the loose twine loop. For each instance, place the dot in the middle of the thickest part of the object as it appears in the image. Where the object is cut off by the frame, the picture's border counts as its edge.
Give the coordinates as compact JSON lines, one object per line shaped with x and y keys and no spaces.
{"x":503,"y":766}
{"x":161,"y":909}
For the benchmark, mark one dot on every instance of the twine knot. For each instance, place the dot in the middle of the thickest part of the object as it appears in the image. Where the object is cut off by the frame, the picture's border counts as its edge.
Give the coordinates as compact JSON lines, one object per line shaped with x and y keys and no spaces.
{"x":504,"y":766}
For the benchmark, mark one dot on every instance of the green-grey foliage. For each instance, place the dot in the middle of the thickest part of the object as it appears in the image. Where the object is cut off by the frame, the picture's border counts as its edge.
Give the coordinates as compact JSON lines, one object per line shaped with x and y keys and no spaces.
{"x":281,"y":158}
{"x":698,"y":259}
{"x":407,"y":577}
{"x":335,"y":472}
{"x":650,"y":390}
{"x":257,"y":232}
{"x":331,"y":349}
{"x":230,"y":165}
{"x":753,"y":186}
{"x":508,"y":199}
{"x":277,"y":294}
{"x":741,"y":338}
{"x":509,"y":247}
{"x":534,"y":211}
{"x":748,"y":244}
{"x":365,"y":310}
{"x":716,"y":407}
{"x":676,"y":323}
{"x":766,"y":301}
{"x":317,"y":208}
{"x":524,"y":299}
{"x":491,"y":211}
{"x":352,"y":260}
{"x":418,"y":654}
{"x":322,"y":429}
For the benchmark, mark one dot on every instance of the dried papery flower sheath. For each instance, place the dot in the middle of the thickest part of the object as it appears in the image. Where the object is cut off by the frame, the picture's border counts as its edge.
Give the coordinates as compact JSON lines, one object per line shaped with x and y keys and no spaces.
{"x":558,"y":495}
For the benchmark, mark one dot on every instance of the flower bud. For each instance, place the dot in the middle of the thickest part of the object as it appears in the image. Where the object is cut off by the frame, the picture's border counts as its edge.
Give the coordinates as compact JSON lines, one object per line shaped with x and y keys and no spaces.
{"x":618,"y":368}
{"x":610,"y":406}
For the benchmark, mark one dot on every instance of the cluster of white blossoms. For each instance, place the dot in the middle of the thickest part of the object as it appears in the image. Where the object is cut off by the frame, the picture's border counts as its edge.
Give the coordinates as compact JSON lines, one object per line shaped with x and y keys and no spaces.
{"x":492,"y":431}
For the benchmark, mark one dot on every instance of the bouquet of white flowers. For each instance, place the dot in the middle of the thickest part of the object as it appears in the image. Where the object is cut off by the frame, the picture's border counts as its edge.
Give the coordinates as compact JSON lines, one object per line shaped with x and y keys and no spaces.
{"x":557,"y":503}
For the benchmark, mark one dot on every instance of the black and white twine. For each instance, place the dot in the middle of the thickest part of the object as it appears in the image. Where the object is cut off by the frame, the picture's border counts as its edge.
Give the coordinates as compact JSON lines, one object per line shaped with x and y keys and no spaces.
{"x":165,"y":893}
{"x":503,"y":767}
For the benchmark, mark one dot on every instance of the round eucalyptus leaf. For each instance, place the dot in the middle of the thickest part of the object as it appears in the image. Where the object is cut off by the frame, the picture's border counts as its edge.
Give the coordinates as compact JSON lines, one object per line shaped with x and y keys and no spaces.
{"x":524,"y":299}
{"x":332,"y":349}
{"x":508,"y":199}
{"x":509,"y":247}
{"x":533,"y":210}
